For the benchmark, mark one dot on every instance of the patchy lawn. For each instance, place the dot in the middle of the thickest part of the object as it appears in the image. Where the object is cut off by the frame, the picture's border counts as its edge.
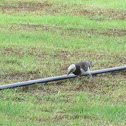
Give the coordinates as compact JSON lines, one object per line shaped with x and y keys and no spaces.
{"x":41,"y":39}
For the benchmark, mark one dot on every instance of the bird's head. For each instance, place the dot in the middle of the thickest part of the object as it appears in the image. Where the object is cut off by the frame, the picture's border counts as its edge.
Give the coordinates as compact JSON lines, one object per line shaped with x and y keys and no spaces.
{"x":71,"y":68}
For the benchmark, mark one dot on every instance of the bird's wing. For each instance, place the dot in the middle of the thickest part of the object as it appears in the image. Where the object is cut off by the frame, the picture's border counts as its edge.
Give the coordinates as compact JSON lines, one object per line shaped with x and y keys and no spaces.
{"x":84,"y":65}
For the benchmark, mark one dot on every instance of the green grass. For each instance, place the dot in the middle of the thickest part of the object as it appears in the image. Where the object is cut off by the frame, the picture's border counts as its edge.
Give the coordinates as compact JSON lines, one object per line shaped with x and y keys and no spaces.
{"x":42,"y":41}
{"x":63,"y":21}
{"x":113,"y":112}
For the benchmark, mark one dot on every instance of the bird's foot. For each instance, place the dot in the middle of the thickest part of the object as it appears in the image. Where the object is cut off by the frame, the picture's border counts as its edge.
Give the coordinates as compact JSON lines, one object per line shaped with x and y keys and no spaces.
{"x":90,"y":78}
{"x":78,"y":79}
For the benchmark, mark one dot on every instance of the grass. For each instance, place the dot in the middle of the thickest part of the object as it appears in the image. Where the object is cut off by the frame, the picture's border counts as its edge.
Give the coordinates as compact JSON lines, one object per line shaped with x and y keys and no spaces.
{"x":67,"y":21}
{"x":41,"y":39}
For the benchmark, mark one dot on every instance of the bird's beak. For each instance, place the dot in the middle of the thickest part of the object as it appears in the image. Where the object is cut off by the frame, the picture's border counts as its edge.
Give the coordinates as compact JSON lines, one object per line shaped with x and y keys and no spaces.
{"x":69,"y":72}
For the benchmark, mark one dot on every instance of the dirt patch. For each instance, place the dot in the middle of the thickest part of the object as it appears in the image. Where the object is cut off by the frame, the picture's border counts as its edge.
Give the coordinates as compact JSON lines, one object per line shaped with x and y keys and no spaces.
{"x":117,"y":32}
{"x":43,"y":27}
{"x":29,"y":7}
{"x":62,"y":116}
{"x":111,"y":13}
{"x":114,"y":32}
{"x":34,"y":4}
{"x":18,"y":51}
{"x":12,"y":50}
{"x":80,"y":30}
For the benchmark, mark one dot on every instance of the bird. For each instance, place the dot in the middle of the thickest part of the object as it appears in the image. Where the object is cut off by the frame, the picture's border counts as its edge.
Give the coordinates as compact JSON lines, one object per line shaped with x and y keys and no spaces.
{"x":80,"y":68}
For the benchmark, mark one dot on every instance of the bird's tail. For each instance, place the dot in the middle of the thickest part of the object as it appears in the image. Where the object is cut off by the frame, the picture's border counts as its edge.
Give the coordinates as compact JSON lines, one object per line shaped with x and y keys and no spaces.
{"x":90,"y":62}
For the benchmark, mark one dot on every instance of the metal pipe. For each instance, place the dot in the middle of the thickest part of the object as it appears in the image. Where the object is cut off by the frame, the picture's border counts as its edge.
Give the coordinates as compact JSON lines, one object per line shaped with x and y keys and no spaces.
{"x":50,"y":79}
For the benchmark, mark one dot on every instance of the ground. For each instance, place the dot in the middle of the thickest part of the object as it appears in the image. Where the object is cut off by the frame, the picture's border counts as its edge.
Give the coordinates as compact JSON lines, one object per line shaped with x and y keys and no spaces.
{"x":40,"y":39}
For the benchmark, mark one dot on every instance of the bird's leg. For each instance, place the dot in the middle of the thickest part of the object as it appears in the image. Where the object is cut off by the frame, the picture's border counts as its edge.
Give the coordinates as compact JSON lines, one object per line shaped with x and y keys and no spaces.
{"x":78,"y":77}
{"x":90,"y":78}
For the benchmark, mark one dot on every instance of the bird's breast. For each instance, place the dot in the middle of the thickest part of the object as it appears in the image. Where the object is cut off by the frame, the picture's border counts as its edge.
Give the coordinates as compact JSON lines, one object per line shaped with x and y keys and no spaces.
{"x":84,"y":72}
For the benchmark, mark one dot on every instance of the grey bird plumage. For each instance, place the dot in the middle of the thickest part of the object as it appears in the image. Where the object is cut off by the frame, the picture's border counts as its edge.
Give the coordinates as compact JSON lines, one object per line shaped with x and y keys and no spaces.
{"x":80,"y":68}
